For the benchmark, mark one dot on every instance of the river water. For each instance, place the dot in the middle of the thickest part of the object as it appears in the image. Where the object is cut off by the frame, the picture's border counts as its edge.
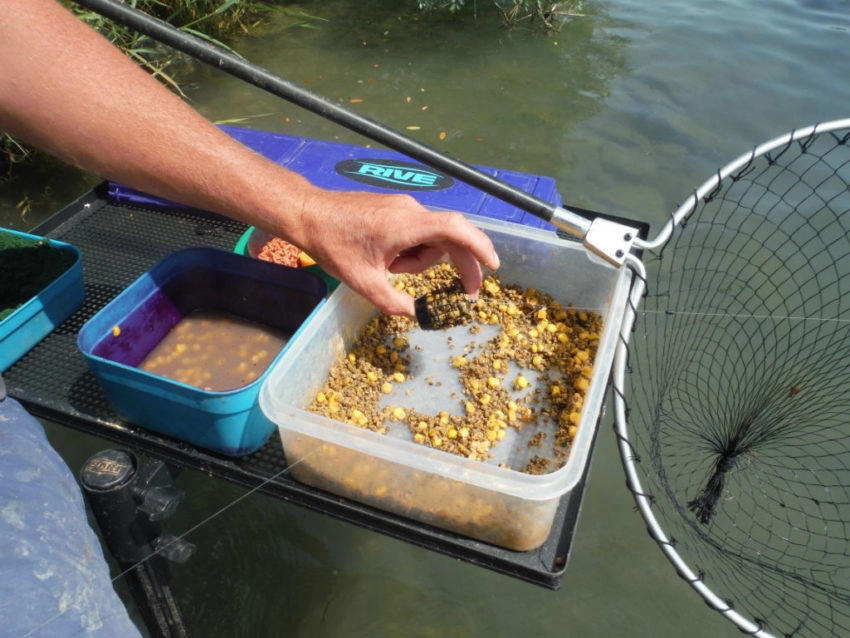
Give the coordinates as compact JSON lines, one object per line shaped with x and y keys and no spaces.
{"x":630,"y":106}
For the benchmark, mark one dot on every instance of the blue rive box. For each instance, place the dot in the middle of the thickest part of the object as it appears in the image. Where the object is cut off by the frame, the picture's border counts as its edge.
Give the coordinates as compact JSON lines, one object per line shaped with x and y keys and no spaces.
{"x":346,"y":167}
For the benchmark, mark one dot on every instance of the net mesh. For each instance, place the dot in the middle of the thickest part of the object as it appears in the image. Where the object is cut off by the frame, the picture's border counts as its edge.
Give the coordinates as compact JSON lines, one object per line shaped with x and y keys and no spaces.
{"x":737,"y":388}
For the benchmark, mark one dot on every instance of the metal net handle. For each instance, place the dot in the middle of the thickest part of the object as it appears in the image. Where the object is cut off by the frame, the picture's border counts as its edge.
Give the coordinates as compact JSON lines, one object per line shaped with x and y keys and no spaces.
{"x":643,"y":500}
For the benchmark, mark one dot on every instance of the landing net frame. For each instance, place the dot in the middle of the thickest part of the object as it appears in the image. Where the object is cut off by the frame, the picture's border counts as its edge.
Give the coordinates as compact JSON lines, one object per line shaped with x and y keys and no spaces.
{"x":770,"y":193}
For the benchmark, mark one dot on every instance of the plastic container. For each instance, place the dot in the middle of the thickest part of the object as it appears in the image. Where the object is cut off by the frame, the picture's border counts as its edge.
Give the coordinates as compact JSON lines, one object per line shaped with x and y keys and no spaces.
{"x":504,"y":507}
{"x":251,"y":244}
{"x":51,"y":304}
{"x":118,"y":338}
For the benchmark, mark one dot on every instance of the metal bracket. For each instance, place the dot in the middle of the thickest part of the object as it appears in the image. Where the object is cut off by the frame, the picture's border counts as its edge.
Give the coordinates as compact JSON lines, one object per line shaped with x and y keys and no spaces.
{"x":608,"y":239}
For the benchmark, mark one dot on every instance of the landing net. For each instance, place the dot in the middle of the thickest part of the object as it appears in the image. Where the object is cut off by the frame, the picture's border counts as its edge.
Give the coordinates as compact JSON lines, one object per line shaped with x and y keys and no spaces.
{"x":732,"y":387}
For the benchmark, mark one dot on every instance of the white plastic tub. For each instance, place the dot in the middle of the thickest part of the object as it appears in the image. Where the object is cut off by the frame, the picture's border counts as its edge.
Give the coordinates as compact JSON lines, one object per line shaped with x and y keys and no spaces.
{"x":480,"y":500}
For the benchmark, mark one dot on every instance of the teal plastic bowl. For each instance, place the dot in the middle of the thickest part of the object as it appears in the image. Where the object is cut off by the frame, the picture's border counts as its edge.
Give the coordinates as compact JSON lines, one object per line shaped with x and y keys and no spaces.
{"x":252,"y":241}
{"x":227,"y":422}
{"x":35,"y":318}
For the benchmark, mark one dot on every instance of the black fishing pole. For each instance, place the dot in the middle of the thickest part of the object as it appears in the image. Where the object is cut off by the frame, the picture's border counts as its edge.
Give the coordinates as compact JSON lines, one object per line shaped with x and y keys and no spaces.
{"x":607,"y":239}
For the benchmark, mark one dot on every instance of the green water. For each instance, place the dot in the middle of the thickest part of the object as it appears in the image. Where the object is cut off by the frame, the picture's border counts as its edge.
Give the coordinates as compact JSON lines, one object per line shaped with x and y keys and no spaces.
{"x":630,"y":107}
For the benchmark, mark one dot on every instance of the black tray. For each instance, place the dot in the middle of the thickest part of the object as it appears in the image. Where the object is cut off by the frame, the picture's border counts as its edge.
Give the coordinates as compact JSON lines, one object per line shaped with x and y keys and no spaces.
{"x":121,"y":242}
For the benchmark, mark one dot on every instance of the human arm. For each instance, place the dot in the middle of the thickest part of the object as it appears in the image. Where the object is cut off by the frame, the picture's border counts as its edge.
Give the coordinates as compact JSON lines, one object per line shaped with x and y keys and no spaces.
{"x":67,"y":90}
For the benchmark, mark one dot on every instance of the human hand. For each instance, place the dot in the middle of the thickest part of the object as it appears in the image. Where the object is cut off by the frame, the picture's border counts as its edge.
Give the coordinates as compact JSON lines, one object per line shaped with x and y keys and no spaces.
{"x":358,"y":237}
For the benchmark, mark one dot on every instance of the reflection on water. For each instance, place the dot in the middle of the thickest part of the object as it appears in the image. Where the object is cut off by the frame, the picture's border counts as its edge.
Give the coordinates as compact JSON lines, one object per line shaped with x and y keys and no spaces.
{"x":481,"y":93}
{"x":630,"y":108}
